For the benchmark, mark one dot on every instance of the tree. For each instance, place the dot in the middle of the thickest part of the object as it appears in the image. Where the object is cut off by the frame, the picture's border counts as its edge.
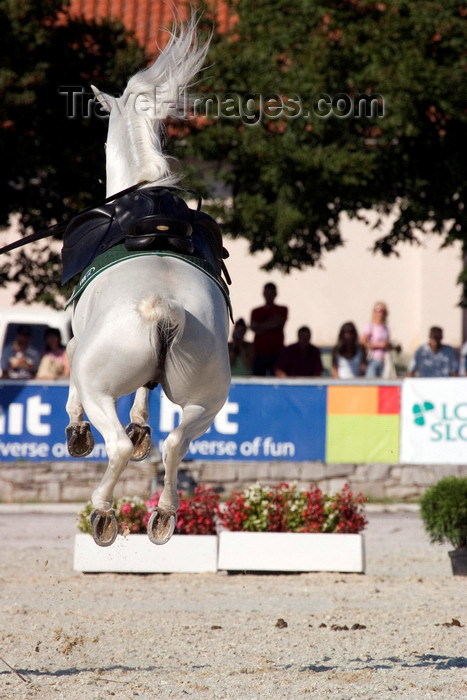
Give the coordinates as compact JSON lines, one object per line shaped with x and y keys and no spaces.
{"x":53,"y":161}
{"x":293,"y":172}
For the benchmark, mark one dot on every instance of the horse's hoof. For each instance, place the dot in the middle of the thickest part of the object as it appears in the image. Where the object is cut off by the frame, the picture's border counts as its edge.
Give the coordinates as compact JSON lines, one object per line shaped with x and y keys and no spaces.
{"x":140,"y":436}
{"x":104,"y":527}
{"x":161,"y":527}
{"x":79,"y":439}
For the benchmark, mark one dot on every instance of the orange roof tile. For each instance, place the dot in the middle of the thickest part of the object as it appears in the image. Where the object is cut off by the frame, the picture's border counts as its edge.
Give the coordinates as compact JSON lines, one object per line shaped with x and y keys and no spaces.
{"x":146,"y":18}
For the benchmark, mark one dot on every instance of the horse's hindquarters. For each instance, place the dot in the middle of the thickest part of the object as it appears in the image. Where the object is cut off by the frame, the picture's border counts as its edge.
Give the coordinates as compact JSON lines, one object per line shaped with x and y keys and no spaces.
{"x":120,"y":289}
{"x":119,"y":344}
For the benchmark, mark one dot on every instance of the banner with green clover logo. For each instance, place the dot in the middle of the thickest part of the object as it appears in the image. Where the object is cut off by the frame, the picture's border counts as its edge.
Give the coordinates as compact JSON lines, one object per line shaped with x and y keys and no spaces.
{"x":434,"y":421}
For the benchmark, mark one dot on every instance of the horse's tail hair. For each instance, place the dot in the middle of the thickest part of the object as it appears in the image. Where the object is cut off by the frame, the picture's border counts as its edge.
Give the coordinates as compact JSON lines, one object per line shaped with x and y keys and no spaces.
{"x":168,"y":316}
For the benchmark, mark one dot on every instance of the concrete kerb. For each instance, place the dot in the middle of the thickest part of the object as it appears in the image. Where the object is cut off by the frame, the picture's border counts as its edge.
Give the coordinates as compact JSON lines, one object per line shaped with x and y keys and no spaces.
{"x":49,"y":508}
{"x":60,"y":508}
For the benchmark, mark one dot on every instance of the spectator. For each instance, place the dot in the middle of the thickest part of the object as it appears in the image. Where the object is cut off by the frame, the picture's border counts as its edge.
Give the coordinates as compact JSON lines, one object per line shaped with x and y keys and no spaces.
{"x":20,"y":359}
{"x":301,"y":359}
{"x":54,"y":362}
{"x":434,"y":359}
{"x":267,"y":323}
{"x":240,"y":351}
{"x":376,"y":340}
{"x":348,"y":355}
{"x":463,"y":361}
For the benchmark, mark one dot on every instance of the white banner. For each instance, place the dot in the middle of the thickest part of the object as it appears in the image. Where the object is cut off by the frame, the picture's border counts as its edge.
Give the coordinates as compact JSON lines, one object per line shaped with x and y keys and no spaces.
{"x":434,"y":421}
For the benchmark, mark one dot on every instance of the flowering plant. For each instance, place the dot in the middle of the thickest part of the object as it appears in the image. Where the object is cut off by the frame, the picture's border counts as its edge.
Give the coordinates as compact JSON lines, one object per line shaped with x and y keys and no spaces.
{"x":195,"y":516}
{"x":285,"y":508}
{"x":282,"y":508}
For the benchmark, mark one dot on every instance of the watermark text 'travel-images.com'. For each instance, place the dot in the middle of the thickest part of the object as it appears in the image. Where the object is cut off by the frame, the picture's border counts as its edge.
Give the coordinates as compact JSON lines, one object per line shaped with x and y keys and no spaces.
{"x":249,"y":108}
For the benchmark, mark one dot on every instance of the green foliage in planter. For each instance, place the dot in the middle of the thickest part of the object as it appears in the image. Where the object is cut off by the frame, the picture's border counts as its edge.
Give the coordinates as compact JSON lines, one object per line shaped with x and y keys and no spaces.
{"x":444,"y":511}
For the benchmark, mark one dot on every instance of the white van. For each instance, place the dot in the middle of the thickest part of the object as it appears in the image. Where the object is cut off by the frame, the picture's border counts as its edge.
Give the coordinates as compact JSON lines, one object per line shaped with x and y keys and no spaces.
{"x":39,"y":320}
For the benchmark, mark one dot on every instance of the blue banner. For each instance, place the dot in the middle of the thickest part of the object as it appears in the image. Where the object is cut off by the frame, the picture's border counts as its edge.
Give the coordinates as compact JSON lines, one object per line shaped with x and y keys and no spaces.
{"x":258,"y":422}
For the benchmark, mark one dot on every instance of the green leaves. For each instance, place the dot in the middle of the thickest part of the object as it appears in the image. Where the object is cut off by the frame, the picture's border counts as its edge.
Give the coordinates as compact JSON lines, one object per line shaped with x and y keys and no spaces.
{"x":52,"y":164}
{"x":443,"y":509}
{"x":286,"y":173}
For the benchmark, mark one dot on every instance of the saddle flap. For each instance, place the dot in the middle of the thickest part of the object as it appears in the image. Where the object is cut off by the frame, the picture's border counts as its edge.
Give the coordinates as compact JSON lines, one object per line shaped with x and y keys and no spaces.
{"x":85,"y":237}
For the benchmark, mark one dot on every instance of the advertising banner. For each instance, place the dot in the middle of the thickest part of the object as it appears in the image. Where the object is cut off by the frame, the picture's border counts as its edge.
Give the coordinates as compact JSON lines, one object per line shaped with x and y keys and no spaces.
{"x":258,"y":422}
{"x":33,"y":421}
{"x":434,"y":421}
{"x":261,"y":422}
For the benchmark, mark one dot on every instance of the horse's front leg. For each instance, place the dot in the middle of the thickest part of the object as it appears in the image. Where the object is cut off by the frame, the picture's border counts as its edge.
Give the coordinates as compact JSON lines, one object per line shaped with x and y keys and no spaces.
{"x":80,"y":441}
{"x":138,"y":429}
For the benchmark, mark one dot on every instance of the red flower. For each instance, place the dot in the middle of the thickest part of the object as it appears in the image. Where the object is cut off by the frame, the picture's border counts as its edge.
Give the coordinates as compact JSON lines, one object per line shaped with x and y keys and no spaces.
{"x":197,"y":515}
{"x":351,"y":516}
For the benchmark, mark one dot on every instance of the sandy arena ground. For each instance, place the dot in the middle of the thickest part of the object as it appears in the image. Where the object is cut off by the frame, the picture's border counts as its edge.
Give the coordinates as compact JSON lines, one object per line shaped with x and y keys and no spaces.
{"x":399,"y":631}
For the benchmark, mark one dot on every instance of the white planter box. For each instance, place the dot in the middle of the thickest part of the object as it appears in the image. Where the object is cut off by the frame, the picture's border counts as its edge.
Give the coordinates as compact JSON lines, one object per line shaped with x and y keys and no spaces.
{"x":136,"y":554}
{"x":290,"y":551}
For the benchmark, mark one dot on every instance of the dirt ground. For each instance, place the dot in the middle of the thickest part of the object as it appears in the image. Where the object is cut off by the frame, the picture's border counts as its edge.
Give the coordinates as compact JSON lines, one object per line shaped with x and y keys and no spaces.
{"x":398,"y":631}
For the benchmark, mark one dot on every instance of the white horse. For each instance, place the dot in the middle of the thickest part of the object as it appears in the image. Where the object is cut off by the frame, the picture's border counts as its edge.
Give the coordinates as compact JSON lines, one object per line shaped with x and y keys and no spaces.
{"x":147,"y":319}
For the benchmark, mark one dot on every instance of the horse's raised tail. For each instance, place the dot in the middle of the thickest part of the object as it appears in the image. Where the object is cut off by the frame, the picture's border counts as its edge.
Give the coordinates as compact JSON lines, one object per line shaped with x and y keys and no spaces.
{"x":168,"y":318}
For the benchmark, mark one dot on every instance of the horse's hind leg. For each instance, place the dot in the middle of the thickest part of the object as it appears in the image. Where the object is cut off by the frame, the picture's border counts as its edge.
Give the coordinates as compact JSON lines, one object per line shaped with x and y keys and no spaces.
{"x":80,"y":441}
{"x":195,"y":421}
{"x":138,"y":429}
{"x":103,"y":414}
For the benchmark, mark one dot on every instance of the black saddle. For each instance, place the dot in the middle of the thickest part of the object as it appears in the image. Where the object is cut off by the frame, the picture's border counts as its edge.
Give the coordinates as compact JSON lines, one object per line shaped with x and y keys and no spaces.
{"x":152,"y":218}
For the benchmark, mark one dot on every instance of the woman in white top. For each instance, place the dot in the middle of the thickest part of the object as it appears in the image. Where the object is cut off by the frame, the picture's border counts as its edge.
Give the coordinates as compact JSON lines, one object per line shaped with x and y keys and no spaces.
{"x":348,"y":356}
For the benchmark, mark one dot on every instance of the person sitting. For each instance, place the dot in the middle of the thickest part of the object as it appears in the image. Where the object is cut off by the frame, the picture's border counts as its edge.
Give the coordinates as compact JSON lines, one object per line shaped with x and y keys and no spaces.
{"x":463,"y":361}
{"x":302,"y":359}
{"x":433,"y":359}
{"x":240,"y":351}
{"x":348,"y":355}
{"x":20,"y":358}
{"x":54,"y":363}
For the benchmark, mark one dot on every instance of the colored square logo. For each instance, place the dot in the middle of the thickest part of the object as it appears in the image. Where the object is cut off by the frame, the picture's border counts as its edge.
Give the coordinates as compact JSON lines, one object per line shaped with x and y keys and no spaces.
{"x":354,"y":439}
{"x":352,"y":400}
{"x":389,"y":400}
